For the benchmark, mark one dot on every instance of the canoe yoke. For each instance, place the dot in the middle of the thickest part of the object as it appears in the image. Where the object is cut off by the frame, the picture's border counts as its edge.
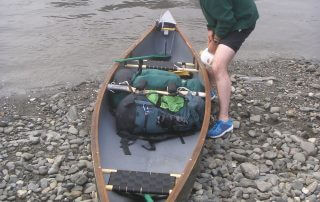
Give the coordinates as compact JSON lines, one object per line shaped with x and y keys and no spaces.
{"x":140,"y":182}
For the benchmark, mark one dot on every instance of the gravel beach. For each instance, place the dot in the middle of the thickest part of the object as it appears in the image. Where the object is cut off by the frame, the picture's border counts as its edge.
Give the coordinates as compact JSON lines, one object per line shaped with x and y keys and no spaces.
{"x":272,"y":154}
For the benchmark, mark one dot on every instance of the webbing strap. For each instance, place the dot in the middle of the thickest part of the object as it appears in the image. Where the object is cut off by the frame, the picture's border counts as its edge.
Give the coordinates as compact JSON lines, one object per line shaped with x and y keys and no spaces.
{"x":141,"y":182}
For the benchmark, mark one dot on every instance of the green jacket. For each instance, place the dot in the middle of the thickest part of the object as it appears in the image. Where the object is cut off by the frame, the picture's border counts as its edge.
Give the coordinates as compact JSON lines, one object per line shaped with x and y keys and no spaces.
{"x":224,"y":16}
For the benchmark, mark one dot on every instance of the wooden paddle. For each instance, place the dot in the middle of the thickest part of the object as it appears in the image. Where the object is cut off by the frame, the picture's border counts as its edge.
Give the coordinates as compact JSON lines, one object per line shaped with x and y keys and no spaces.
{"x":180,"y":90}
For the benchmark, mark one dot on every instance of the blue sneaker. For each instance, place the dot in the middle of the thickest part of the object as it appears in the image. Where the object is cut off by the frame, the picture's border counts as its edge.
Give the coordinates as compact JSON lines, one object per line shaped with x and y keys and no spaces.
{"x":213,"y":94}
{"x":220,"y":128}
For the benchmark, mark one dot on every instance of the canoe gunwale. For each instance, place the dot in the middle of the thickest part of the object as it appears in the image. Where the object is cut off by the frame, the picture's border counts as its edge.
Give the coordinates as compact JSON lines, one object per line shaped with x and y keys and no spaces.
{"x":174,"y":196}
{"x":102,"y":193}
{"x":99,"y":176}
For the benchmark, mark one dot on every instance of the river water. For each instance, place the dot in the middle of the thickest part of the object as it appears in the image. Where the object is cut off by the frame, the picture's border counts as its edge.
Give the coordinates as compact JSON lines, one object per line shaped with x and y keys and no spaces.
{"x":50,"y":43}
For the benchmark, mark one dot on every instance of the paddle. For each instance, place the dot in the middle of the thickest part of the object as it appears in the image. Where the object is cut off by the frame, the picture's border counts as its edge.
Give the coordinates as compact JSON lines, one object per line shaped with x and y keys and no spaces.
{"x":180,"y":63}
{"x":180,"y":90}
{"x":175,"y":68}
{"x":156,"y":56}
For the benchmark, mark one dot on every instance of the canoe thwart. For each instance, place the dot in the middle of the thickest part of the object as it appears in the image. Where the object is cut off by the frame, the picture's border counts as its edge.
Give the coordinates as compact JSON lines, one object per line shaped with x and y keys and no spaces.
{"x":175,"y":175}
{"x":165,"y":68}
{"x":141,"y":182}
{"x":146,"y":61}
{"x":106,"y":170}
{"x":181,"y":90}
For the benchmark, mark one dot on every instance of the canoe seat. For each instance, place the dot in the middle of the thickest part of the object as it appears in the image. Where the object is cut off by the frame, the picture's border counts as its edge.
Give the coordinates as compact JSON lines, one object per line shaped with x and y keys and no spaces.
{"x":140,"y":182}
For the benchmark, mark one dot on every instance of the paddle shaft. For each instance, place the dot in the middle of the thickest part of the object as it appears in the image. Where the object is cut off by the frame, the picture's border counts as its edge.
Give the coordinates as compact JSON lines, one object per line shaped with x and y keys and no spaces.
{"x":163,"y":68}
{"x":180,"y":63}
{"x":134,"y":90}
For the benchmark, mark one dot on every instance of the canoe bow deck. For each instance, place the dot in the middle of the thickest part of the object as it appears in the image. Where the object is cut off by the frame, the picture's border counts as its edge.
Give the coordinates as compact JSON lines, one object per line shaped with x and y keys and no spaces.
{"x":171,"y":156}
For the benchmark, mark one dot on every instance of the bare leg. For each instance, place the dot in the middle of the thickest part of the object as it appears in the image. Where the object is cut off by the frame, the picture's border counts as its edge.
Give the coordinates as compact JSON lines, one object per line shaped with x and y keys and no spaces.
{"x":222,"y":59}
{"x":211,"y":77}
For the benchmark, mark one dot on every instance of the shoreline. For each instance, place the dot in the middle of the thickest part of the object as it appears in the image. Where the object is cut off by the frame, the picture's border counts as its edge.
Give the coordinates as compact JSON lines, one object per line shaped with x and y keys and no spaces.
{"x":272,"y":154}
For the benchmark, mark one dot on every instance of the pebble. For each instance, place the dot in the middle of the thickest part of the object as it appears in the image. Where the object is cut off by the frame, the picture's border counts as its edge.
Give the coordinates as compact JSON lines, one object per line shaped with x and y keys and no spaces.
{"x":197,"y":186}
{"x":299,"y":157}
{"x":43,"y":170}
{"x":81,"y":180}
{"x":22,"y":193}
{"x":27,"y":156}
{"x":73,"y":130}
{"x":72,"y":114}
{"x":310,"y":189}
{"x":238,"y":157}
{"x":236,"y":124}
{"x":249,"y":170}
{"x":275,"y":109}
{"x":270,"y":155}
{"x":308,"y":147}
{"x":255,"y":118}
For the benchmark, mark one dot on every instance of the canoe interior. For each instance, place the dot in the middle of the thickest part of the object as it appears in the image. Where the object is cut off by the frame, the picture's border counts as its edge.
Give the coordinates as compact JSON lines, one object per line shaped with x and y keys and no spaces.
{"x":171,"y":156}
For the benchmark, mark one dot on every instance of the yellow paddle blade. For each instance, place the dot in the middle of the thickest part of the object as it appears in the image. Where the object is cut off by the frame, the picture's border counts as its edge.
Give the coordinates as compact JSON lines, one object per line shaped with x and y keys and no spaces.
{"x":182,"y":73}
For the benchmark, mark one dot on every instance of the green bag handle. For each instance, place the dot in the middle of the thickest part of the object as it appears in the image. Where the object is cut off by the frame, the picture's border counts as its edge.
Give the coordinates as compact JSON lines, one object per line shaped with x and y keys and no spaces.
{"x":148,"y":198}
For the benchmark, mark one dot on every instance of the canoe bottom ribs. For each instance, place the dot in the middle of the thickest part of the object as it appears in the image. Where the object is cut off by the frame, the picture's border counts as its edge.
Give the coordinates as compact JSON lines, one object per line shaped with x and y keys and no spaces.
{"x":141,"y":182}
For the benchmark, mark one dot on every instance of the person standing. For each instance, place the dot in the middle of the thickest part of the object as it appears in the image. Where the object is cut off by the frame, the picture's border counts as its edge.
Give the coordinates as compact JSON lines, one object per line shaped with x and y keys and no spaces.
{"x":230,"y":22}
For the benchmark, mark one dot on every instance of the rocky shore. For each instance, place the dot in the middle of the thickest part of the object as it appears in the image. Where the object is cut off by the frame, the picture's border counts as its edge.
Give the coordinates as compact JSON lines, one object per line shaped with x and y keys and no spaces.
{"x":273,"y":153}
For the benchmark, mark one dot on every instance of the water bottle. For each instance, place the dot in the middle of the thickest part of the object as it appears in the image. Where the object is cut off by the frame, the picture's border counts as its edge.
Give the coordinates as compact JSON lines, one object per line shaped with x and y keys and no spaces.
{"x":206,"y":57}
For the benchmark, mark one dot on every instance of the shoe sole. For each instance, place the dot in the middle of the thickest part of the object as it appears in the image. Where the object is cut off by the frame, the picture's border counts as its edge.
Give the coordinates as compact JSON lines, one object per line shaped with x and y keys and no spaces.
{"x":222,"y":134}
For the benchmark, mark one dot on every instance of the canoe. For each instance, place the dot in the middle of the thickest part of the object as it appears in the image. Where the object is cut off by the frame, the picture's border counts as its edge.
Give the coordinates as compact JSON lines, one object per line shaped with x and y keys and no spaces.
{"x":172,"y":161}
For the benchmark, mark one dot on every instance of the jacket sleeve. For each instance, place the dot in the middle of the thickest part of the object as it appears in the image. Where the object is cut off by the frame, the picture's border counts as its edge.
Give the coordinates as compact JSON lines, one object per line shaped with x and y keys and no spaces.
{"x":211,"y":23}
{"x":221,"y":10}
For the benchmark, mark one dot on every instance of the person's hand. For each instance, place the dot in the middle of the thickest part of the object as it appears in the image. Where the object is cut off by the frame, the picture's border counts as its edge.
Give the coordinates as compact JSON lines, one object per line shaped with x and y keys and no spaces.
{"x":212,"y":47}
{"x":210,"y":36}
